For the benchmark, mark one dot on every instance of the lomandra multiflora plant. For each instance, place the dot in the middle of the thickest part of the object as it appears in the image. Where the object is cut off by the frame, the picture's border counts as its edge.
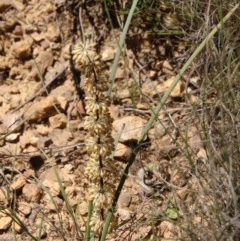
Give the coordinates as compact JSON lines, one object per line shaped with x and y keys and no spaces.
{"x":98,"y":124}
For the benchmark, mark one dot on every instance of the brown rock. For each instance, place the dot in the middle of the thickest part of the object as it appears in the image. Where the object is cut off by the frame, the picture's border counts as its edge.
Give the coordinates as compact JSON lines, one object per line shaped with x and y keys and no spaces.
{"x":50,"y":174}
{"x":52,"y":202}
{"x":49,"y":180}
{"x":32,"y":192}
{"x":157,"y":131}
{"x":22,"y":49}
{"x":44,"y":60}
{"x":178,"y":89}
{"x":152,"y":88}
{"x":114,"y":111}
{"x":38,"y":36}
{"x":43,"y":130}
{"x":129,"y":128}
{"x":60,"y":137}
{"x":28,"y":138}
{"x":152,"y":74}
{"x":125,"y":200}
{"x":66,"y":90}
{"x":167,"y":67}
{"x":28,"y":89}
{"x":63,"y":102}
{"x":42,"y":109}
{"x":182,"y":193}
{"x":53,"y":33}
{"x":108,"y":51}
{"x":24,"y":208}
{"x":120,"y":73}
{"x":3,"y":63}
{"x":124,"y":213}
{"x":11,"y":122}
{"x":44,"y":142}
{"x":168,"y":229}
{"x":19,"y":183}
{"x":58,"y":121}
{"x":18,"y":228}
{"x":122,"y":152}
{"x":53,"y":186}
{"x":5,"y":223}
{"x":12,"y":137}
{"x":3,"y":197}
{"x":29,"y":173}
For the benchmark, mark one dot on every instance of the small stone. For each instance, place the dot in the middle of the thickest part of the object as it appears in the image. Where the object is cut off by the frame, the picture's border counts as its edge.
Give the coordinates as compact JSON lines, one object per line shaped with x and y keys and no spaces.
{"x":3,"y":197}
{"x":32,"y":192}
{"x":152,"y":88}
{"x":182,"y":194}
{"x":18,"y":31}
{"x":60,"y":137}
{"x":202,"y":155}
{"x":53,"y":186}
{"x":63,"y":102}
{"x":159,"y":130}
{"x":69,"y":167}
{"x":37,"y":36}
{"x":5,"y":223}
{"x":44,"y":142}
{"x":43,"y":130}
{"x":3,"y":63}
{"x":129,"y":128}
{"x":28,"y":138}
{"x":167,"y":67}
{"x":58,"y":121}
{"x":12,"y":137}
{"x":124,"y":213}
{"x":29,"y":173}
{"x":42,"y":109}
{"x":178,"y":89}
{"x":15,"y":102}
{"x":167,"y":229}
{"x":18,"y":228}
{"x":52,"y":33}
{"x":108,"y":52}
{"x":81,"y":107}
{"x":125,"y":200}
{"x":114,"y":111}
{"x":14,"y":90}
{"x":19,"y":183}
{"x":43,"y":61}
{"x":120,"y":73}
{"x":22,"y":49}
{"x":11,"y":122}
{"x":122,"y":152}
{"x":52,"y":203}
{"x":24,"y":208}
{"x":152,"y":74}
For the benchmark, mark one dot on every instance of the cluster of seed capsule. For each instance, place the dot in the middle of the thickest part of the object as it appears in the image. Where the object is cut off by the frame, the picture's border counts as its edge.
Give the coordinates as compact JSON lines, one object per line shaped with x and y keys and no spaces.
{"x":98,"y":124}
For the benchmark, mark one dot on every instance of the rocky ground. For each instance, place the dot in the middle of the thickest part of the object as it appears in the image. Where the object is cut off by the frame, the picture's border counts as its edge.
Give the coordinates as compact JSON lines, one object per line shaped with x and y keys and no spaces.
{"x":42,"y":112}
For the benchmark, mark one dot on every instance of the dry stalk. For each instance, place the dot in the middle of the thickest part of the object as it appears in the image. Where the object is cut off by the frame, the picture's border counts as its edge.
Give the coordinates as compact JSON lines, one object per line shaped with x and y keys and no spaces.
{"x":98,"y":124}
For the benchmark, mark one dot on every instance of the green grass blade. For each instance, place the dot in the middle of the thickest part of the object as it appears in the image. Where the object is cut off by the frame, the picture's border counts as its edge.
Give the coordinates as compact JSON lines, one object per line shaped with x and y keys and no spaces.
{"x":120,"y":45}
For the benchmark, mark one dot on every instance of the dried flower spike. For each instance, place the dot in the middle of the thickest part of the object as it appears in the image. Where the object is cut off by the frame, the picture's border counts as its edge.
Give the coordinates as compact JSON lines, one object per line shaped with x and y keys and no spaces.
{"x":98,"y":124}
